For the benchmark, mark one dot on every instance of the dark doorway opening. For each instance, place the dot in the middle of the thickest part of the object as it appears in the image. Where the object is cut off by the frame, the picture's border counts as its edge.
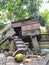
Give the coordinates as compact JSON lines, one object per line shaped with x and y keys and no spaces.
{"x":18,"y":31}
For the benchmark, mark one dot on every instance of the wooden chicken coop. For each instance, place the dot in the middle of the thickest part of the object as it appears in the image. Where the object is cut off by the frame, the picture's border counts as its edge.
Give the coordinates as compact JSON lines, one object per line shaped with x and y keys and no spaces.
{"x":26,"y":27}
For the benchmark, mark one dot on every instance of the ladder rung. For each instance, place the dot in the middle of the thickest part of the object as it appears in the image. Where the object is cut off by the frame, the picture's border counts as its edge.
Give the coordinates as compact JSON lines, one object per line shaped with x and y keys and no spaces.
{"x":22,"y":49}
{"x":18,"y":39}
{"x":19,"y":42}
{"x":21,"y":46}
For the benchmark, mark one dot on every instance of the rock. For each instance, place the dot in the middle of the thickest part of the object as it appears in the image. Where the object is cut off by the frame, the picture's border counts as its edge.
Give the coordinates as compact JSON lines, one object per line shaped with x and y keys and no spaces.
{"x":10,"y":63}
{"x":2,"y":59}
{"x":10,"y":59}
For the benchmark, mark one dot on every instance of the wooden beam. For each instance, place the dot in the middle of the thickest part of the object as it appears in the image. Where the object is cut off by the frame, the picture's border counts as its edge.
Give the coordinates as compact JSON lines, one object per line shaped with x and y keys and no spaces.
{"x":34,"y":43}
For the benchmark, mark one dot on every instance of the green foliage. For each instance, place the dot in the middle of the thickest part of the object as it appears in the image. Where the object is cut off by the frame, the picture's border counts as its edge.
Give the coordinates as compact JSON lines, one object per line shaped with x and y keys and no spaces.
{"x":1,"y":27}
{"x":43,"y":31}
{"x":20,"y":9}
{"x":44,"y":18}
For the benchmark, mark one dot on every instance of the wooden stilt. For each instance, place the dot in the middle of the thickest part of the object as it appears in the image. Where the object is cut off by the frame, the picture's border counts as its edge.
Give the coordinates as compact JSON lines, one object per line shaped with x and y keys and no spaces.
{"x":34,"y":43}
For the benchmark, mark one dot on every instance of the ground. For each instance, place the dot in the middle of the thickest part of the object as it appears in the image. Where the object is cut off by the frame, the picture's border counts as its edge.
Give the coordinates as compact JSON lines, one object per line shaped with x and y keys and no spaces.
{"x":35,"y":60}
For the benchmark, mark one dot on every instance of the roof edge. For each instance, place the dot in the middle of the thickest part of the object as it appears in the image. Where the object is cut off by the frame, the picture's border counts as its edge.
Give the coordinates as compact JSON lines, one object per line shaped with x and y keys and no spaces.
{"x":34,"y":19}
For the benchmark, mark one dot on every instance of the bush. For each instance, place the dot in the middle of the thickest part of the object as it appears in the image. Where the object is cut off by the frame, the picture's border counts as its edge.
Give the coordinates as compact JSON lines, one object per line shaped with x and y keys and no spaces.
{"x":43,"y":31}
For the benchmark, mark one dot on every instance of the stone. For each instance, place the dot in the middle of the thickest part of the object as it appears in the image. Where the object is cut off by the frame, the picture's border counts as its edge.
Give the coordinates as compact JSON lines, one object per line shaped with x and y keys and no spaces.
{"x":2,"y":59}
{"x":9,"y":59}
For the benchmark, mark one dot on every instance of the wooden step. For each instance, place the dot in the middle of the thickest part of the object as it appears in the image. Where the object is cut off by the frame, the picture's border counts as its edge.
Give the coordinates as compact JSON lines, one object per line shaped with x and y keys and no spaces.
{"x":18,"y":39}
{"x":15,"y":37}
{"x":22,"y":49}
{"x":21,"y":46}
{"x":19,"y":42}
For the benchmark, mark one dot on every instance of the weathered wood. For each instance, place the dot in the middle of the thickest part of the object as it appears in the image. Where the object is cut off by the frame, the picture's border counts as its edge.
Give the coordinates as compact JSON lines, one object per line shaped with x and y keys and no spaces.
{"x":5,"y":29}
{"x":34,"y":43}
{"x":43,"y":43}
{"x":44,"y":46}
{"x":45,"y":37}
{"x":2,"y":41}
{"x":10,"y":33}
{"x":16,"y":24}
{"x":31,"y":26}
{"x":28,"y":20}
{"x":28,"y":26}
{"x":31,"y":32}
{"x":12,"y":46}
{"x":21,"y":47}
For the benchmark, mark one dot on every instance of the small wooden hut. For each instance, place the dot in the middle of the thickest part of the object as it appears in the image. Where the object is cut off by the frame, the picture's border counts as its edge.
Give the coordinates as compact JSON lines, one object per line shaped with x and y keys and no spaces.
{"x":26,"y":27}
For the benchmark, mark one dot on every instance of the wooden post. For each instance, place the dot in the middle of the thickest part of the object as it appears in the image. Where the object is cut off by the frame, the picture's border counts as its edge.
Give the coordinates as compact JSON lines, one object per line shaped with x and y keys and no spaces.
{"x":12,"y":46}
{"x":35,"y":43}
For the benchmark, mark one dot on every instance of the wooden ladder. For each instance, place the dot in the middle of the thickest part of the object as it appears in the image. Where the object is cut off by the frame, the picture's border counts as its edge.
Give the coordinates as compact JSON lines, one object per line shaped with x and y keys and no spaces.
{"x":21,"y":47}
